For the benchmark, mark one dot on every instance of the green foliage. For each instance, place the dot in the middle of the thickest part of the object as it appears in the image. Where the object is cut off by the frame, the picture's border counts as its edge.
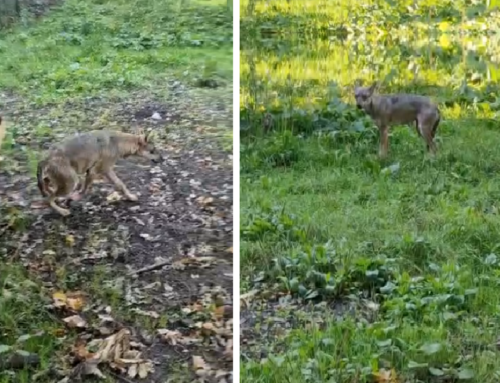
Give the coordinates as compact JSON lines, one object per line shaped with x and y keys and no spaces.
{"x":398,"y":257}
{"x":118,"y":45}
{"x":27,"y":325}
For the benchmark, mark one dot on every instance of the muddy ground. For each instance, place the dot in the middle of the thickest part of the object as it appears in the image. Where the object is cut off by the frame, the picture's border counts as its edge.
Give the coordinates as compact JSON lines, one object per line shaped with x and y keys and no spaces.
{"x":183,"y":219}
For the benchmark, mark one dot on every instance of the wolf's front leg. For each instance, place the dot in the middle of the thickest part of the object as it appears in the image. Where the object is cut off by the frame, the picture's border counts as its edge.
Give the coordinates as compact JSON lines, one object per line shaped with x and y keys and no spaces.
{"x":89,"y":180}
{"x":111,"y":175}
{"x":384,"y":141}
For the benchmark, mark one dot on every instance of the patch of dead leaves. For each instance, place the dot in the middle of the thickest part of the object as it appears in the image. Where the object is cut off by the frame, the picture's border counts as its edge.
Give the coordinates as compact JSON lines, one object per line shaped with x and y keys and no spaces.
{"x":204,"y":201}
{"x":74,"y":301}
{"x":75,"y":321}
{"x":71,"y":302}
{"x":175,"y":337}
{"x":247,"y":297}
{"x":113,"y":197}
{"x":199,"y":364}
{"x":116,"y":351}
{"x":204,"y":370}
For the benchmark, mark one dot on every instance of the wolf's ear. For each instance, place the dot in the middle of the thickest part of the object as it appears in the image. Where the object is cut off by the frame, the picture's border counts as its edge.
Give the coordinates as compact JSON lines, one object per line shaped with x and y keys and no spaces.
{"x":358,"y":83}
{"x":139,"y":131}
{"x":372,"y":88}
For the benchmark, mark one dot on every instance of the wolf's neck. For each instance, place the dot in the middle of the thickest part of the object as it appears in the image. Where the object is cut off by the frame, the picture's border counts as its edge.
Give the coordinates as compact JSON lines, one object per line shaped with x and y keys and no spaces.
{"x":128,"y":145}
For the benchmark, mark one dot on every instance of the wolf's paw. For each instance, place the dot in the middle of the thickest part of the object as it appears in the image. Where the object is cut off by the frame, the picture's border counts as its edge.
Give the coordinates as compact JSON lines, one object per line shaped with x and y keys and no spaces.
{"x":64,"y":212}
{"x":132,"y":197}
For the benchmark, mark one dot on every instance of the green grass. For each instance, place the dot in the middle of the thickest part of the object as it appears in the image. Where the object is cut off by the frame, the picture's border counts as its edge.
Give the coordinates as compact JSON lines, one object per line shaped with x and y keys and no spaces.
{"x":410,"y":244}
{"x":90,"y":48}
{"x":25,"y":322}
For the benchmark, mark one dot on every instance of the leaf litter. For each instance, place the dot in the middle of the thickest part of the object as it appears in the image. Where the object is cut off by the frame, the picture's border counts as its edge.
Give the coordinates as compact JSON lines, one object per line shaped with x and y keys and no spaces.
{"x":169,"y":257}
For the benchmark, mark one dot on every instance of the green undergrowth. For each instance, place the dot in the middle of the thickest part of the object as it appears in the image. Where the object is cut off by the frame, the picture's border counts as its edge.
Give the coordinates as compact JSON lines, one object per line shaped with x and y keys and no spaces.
{"x":86,"y":49}
{"x":27,"y":327}
{"x":342,"y":17}
{"x":411,"y":243}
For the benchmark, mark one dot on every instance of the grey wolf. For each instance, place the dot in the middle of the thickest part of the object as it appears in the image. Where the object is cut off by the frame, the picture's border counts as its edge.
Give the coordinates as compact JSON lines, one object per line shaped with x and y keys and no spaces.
{"x":390,"y":109}
{"x":93,"y":153}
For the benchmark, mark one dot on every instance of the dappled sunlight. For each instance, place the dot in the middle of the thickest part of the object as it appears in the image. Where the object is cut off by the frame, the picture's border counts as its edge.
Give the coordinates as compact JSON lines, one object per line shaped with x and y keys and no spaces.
{"x":305,"y":72}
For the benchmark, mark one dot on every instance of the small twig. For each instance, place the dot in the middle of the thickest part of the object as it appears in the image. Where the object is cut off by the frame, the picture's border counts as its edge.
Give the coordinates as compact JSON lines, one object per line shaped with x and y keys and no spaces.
{"x":156,"y":266}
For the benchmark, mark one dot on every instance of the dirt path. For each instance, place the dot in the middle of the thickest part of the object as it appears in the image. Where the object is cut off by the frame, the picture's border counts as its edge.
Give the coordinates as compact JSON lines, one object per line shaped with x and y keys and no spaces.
{"x":183,"y":218}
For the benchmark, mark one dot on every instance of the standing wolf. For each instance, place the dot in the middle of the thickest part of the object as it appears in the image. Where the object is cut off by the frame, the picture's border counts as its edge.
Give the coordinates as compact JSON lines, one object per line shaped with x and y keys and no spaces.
{"x":93,"y":153}
{"x":391,"y":109}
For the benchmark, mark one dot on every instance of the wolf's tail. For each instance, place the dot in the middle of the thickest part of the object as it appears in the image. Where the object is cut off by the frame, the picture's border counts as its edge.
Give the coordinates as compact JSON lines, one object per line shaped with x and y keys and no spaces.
{"x":39,"y":177}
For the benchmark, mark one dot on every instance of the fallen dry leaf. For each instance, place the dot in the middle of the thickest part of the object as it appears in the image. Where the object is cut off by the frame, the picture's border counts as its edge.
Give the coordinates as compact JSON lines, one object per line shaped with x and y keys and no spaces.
{"x":75,"y":303}
{"x":221,"y":374}
{"x":246,"y":298}
{"x":59,"y":332}
{"x":204,"y":200}
{"x":145,"y":368}
{"x":175,"y":337}
{"x":386,"y":376}
{"x":219,"y":312}
{"x":202,"y":369}
{"x":199,"y":363}
{"x":81,"y":351}
{"x":91,"y":368}
{"x":59,"y":299}
{"x":115,"y":196}
{"x":132,"y":370}
{"x":208,"y":329}
{"x":70,"y":240}
{"x":172,"y":337}
{"x":73,"y":300}
{"x":195,"y":307}
{"x":75,"y":321}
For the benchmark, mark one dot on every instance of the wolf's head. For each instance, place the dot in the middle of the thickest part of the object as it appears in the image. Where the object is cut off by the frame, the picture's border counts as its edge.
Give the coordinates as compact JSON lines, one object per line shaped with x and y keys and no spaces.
{"x":147,"y":148}
{"x":363,"y":96}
